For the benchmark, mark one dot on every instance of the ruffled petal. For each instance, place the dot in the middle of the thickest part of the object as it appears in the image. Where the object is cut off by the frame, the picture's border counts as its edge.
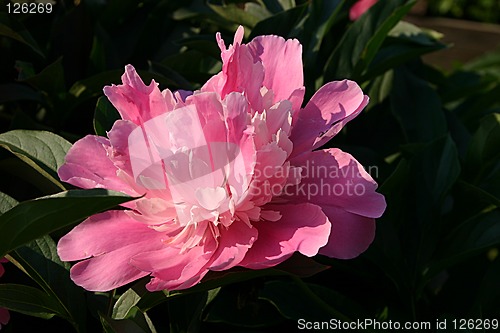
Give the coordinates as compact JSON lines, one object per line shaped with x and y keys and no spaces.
{"x":88,"y":166}
{"x":332,"y":177}
{"x":331,"y":107}
{"x":234,"y":243}
{"x":282,"y":61}
{"x":350,"y":236}
{"x":302,"y":227}
{"x":134,"y":100}
{"x":172,"y":268}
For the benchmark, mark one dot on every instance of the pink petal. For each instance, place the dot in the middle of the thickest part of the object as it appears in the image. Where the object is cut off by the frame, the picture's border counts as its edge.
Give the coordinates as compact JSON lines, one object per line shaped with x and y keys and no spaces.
{"x":282,"y":60}
{"x":111,"y":239}
{"x":234,"y":243}
{"x":134,"y":100}
{"x":331,"y":177}
{"x":2,"y":270}
{"x":331,"y":107}
{"x":109,"y":271}
{"x":303,"y":228}
{"x":359,"y":8}
{"x":89,"y":166}
{"x":173,"y":268}
{"x":4,"y":317}
{"x":104,"y":233}
{"x":350,"y":236}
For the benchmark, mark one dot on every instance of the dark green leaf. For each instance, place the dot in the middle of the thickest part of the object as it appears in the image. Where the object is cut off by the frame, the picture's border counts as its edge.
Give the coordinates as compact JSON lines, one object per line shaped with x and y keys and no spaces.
{"x":44,"y":151}
{"x":310,"y":302}
{"x":39,"y":260}
{"x":120,"y":326}
{"x":28,"y":300}
{"x":105,"y":116}
{"x":185,"y":312}
{"x":32,"y":219}
{"x":417,"y":107}
{"x":405,"y":42}
{"x":471,"y":237}
{"x":15,"y":30}
{"x":18,"y":92}
{"x":363,"y":39}
{"x":281,"y":24}
{"x":50,"y":79}
{"x":483,"y":148}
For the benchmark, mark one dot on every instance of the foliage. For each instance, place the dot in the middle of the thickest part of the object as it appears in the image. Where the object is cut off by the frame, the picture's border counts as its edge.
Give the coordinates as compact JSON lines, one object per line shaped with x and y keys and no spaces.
{"x":430,"y":139}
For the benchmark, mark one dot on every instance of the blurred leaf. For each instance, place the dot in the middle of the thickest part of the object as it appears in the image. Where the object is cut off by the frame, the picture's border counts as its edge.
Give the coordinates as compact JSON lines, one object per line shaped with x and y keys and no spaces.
{"x":248,"y":16}
{"x":281,"y":24}
{"x":417,"y":107}
{"x":442,"y":167}
{"x":15,"y":30}
{"x":120,"y":326}
{"x":405,"y":42}
{"x":32,"y":219}
{"x":50,"y":79}
{"x":44,"y":151}
{"x":185,"y":312}
{"x":169,"y":73}
{"x":39,"y":260}
{"x":240,"y":306}
{"x":484,"y":146}
{"x":28,"y":300}
{"x":310,"y":302}
{"x":18,"y":92}
{"x":363,"y":39}
{"x":6,"y":202}
{"x":471,"y":237}
{"x":380,"y":88}
{"x":105,"y":116}
{"x":489,"y":294}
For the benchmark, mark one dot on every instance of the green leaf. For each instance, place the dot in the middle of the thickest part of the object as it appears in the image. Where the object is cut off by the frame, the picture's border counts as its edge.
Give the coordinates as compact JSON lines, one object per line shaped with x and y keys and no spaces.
{"x":39,"y":260}
{"x":32,"y":219}
{"x":417,"y":107}
{"x":281,"y":24}
{"x":28,"y":300}
{"x":44,"y":151}
{"x":405,"y":42}
{"x":105,"y":116}
{"x":120,"y":326}
{"x":124,"y":304}
{"x":6,"y":202}
{"x":248,"y":16}
{"x":360,"y":43}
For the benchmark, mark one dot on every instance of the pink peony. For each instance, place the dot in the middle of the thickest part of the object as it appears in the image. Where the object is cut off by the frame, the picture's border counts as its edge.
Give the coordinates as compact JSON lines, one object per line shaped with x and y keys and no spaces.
{"x":227,"y":173}
{"x":359,"y":8}
{"x":4,"y":313}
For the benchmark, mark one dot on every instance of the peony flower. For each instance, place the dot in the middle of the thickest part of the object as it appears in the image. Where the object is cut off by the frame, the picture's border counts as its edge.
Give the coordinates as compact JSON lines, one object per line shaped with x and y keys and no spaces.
{"x":4,"y":313}
{"x":359,"y":8}
{"x":227,"y":176}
